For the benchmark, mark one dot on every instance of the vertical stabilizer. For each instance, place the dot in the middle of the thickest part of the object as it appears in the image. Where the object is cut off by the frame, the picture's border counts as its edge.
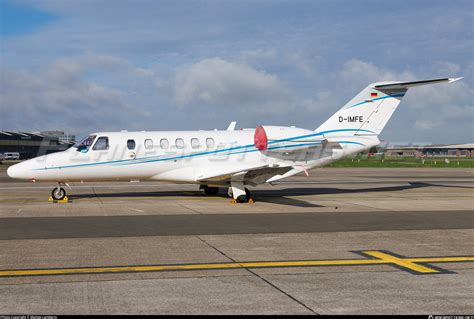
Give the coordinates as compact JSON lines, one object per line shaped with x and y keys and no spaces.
{"x":370,"y":110}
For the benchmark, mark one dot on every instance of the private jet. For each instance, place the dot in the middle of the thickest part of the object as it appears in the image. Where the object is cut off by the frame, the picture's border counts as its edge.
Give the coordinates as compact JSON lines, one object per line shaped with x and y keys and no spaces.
{"x":230,"y":158}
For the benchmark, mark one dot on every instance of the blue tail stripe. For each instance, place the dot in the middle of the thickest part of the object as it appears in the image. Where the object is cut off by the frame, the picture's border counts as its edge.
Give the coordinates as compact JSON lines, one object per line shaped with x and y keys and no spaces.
{"x":379,"y":98}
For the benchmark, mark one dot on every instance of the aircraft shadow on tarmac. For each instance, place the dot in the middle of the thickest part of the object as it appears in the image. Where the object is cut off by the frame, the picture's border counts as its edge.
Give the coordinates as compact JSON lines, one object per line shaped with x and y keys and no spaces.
{"x":277,"y":196}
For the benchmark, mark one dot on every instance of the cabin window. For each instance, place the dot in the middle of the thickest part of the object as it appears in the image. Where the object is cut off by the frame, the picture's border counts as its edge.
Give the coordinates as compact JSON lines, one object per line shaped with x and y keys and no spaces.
{"x":164,"y":144}
{"x":179,"y":143}
{"x":102,"y":144}
{"x":195,"y":143}
{"x":148,"y":144}
{"x":131,"y":144}
{"x":210,"y":142}
{"x":84,"y":145}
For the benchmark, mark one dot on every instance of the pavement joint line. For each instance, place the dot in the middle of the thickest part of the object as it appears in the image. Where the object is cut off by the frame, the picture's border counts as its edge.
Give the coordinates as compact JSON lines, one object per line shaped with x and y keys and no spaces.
{"x":344,"y":201}
{"x":189,"y":208}
{"x":96,"y":196}
{"x":260,"y":277}
{"x":413,"y":265}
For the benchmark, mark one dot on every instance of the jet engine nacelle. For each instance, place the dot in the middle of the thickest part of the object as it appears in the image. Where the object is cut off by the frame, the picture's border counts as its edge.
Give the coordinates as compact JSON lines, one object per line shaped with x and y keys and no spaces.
{"x":267,"y":136}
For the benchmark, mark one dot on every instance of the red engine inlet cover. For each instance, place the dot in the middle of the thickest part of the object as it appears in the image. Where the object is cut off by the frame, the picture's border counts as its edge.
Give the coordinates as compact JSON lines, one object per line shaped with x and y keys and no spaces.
{"x":260,"y":138}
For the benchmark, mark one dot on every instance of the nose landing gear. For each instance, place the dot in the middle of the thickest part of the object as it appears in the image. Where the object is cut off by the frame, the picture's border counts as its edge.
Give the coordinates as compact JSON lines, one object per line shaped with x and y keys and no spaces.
{"x":58,"y":193}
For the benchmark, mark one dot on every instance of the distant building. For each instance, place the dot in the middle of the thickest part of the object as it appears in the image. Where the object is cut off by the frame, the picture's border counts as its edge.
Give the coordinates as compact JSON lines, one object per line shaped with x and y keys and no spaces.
{"x":452,"y":150}
{"x":60,"y":135}
{"x":30,"y":145}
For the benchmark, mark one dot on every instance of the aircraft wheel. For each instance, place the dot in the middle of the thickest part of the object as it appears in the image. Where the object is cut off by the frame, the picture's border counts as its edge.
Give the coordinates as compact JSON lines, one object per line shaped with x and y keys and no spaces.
{"x":242,"y":199}
{"x":211,"y":190}
{"x":58,"y":193}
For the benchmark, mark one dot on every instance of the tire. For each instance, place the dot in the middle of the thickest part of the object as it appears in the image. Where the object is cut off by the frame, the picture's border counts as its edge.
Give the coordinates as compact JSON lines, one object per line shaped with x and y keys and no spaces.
{"x":243,"y":199}
{"x":58,"y":193}
{"x":211,"y":190}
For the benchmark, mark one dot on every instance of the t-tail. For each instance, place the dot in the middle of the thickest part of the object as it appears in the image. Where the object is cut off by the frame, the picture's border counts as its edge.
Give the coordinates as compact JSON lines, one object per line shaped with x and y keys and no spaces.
{"x":369,"y":111}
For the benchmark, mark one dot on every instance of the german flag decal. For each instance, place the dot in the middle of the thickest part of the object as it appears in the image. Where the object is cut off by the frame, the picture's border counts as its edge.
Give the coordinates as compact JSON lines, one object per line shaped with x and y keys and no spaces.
{"x":373,"y":94}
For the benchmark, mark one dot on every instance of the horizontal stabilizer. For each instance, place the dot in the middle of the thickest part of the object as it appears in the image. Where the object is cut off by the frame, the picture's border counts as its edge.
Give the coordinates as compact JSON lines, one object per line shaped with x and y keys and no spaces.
{"x":406,"y":85}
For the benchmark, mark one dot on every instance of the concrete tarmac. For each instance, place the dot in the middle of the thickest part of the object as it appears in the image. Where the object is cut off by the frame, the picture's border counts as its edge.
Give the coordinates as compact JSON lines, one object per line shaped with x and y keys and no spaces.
{"x":343,"y":241}
{"x":226,"y":224}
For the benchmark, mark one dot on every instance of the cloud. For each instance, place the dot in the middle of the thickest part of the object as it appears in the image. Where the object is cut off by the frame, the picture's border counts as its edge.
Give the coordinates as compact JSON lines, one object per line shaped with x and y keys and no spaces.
{"x":358,"y":73}
{"x":57,"y":97}
{"x":219,"y":83}
{"x":440,"y":111}
{"x":194,"y":65}
{"x":104,"y":61}
{"x":449,"y":96}
{"x":427,"y":124}
{"x":125,"y":96}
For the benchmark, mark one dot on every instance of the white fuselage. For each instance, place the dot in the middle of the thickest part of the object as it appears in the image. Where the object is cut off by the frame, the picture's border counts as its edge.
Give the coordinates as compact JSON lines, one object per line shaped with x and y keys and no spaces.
{"x":192,"y":156}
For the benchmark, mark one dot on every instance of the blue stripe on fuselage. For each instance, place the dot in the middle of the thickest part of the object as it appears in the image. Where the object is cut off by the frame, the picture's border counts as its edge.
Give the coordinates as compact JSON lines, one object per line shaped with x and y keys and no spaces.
{"x":252,"y":146}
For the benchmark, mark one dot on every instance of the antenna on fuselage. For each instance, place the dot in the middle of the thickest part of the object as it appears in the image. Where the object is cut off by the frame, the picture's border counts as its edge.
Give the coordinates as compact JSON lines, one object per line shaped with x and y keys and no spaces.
{"x":231,"y":126}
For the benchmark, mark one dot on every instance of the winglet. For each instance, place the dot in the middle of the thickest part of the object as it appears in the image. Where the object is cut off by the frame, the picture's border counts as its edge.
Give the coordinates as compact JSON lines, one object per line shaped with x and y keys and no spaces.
{"x":231,"y":126}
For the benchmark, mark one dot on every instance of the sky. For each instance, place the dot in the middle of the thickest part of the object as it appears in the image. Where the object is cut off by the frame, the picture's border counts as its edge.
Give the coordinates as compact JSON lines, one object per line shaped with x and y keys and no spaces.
{"x":103,"y":65}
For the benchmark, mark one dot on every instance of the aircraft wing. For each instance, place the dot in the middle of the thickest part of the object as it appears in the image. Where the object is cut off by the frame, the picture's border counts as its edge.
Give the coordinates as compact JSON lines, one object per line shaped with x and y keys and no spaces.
{"x":261,"y":174}
{"x":223,"y":176}
{"x":248,"y":174}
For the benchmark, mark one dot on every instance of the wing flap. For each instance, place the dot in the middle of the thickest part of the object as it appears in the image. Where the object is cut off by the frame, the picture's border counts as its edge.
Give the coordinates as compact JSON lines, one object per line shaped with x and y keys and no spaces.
{"x":222,"y":176}
{"x":252,"y":176}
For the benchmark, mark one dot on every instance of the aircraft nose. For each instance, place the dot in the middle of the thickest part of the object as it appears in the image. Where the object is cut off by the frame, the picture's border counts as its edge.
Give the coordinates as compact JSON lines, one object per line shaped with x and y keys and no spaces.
{"x":16,"y":171}
{"x":12,"y":171}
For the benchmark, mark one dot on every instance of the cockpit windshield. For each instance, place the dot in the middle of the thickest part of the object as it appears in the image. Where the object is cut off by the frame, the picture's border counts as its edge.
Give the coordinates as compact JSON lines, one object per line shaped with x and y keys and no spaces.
{"x":84,"y":145}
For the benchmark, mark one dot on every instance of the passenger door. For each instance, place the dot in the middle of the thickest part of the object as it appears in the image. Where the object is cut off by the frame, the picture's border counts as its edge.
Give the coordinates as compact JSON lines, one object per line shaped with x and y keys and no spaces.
{"x":131,"y":149}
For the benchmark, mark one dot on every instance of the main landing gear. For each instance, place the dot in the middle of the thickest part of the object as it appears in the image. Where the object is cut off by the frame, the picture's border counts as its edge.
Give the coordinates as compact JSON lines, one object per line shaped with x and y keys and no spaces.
{"x":239,"y":193}
{"x":58,"y":193}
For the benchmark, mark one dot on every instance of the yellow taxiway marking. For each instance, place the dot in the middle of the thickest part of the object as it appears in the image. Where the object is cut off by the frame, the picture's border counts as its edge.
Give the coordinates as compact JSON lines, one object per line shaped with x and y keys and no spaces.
{"x":406,"y":263}
{"x":415,"y":265}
